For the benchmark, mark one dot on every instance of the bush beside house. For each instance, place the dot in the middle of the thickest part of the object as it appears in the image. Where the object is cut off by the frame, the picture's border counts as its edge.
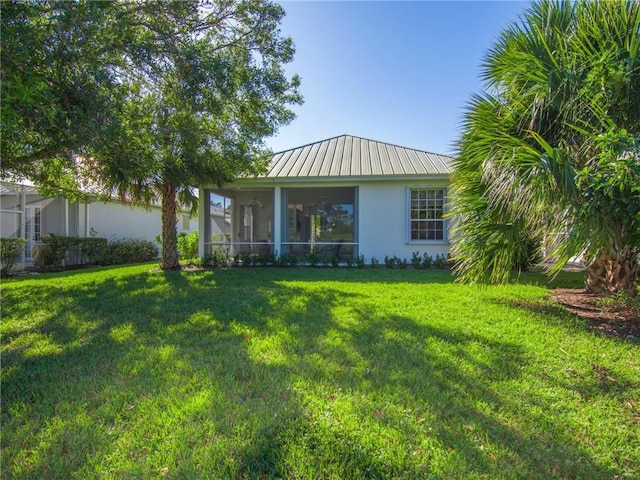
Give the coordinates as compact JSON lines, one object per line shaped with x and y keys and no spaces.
{"x":60,"y":251}
{"x":10,"y":249}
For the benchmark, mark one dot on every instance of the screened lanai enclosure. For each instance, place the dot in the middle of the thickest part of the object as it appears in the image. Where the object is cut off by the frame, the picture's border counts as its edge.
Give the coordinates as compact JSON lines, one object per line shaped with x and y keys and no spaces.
{"x":293,"y":221}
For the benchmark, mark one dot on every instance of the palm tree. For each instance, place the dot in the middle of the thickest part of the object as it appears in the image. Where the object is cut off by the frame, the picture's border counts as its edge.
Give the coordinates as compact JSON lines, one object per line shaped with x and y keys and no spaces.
{"x":549,"y":152}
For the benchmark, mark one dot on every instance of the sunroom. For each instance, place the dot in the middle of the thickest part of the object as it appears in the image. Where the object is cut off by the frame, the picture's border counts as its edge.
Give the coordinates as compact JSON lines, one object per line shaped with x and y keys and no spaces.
{"x":298,"y":221}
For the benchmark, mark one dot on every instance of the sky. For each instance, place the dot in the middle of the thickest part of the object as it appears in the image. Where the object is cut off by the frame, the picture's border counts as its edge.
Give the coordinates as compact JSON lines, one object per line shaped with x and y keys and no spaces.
{"x":396,"y":72}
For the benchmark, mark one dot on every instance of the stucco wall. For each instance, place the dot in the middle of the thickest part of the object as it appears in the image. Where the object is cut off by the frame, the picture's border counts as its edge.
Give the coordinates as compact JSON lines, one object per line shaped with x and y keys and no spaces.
{"x":384,"y":221}
{"x":114,"y":221}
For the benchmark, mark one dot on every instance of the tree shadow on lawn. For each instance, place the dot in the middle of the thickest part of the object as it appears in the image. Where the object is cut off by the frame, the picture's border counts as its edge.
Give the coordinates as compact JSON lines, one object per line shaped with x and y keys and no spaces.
{"x":591,"y":379}
{"x":193,"y":373}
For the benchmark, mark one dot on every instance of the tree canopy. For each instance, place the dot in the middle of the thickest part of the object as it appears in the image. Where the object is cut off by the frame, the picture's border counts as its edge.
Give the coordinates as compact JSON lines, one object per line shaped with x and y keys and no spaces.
{"x":549,"y":155}
{"x":175,"y":94}
{"x":59,"y":84}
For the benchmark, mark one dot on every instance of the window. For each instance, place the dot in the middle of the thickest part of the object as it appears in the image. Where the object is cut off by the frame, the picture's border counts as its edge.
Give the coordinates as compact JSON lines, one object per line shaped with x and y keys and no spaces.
{"x":426,"y":214}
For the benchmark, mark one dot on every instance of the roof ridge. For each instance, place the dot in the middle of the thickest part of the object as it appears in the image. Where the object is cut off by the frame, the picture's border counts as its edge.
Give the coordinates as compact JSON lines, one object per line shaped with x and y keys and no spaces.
{"x":362,"y":138}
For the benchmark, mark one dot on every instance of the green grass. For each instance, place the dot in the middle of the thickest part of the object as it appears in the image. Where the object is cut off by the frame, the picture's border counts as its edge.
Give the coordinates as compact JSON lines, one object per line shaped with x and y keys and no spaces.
{"x":316,"y":374}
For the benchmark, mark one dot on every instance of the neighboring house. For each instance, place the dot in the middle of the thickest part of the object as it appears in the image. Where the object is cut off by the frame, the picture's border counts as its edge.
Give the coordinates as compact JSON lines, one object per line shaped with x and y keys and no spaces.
{"x":29,"y":215}
{"x":344,"y":196}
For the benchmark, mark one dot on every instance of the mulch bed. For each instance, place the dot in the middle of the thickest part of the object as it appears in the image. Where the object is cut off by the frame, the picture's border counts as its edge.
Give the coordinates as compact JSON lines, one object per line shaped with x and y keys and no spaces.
{"x":623,"y":324}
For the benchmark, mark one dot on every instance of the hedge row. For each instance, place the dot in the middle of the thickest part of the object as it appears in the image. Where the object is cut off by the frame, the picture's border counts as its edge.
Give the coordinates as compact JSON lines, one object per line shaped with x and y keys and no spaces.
{"x":56,"y":251}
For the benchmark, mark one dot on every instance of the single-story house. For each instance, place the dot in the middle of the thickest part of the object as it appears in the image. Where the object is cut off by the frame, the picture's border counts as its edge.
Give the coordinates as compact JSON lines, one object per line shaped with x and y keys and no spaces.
{"x":27,"y":214}
{"x":345,"y":196}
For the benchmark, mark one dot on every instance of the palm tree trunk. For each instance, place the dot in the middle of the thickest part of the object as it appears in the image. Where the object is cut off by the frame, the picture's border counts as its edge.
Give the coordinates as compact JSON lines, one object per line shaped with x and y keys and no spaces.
{"x":169,"y":227}
{"x":597,"y":275}
{"x":615,"y":272}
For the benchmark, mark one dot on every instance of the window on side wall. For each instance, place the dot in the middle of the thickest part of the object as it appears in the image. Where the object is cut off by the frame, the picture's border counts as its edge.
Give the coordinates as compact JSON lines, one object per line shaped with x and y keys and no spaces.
{"x":426,"y":212}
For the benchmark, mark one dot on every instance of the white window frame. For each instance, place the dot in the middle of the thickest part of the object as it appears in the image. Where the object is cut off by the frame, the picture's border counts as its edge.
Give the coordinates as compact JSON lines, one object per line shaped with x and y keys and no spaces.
{"x":443,"y":220}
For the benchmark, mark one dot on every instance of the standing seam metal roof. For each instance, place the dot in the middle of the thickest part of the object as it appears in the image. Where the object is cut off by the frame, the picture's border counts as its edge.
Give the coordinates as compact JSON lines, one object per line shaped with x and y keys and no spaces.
{"x":349,"y":156}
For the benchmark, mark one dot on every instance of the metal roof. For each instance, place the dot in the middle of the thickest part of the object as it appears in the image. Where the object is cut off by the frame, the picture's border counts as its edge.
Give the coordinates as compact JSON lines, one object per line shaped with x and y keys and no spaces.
{"x":349,"y":156}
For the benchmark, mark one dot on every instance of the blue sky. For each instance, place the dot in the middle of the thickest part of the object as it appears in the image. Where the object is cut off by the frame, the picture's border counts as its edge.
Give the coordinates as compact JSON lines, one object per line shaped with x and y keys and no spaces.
{"x":399,"y":72}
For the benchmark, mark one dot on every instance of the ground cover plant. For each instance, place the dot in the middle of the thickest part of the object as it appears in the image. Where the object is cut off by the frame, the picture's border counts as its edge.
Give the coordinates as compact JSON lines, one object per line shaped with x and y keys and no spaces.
{"x":132,"y":372}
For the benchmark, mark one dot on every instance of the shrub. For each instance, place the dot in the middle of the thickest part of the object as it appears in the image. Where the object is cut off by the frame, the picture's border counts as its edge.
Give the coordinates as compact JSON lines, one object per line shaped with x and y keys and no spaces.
{"x":374,"y":262}
{"x":416,"y":260}
{"x":427,"y":260}
{"x":242,"y":259}
{"x":57,"y":248}
{"x":313,"y":259}
{"x":10,"y":249}
{"x":129,"y":250}
{"x":217,"y":258}
{"x":264,"y":260}
{"x":392,"y":262}
{"x":335,"y":261}
{"x":285,"y":260}
{"x":91,"y":250}
{"x":441,"y":261}
{"x":188,"y":245}
{"x":361,"y":261}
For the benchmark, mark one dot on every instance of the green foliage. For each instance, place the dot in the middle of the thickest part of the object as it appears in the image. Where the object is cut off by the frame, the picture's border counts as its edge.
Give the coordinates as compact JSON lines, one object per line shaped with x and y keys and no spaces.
{"x":154,"y":98}
{"x":219,"y":91}
{"x":374,"y":262}
{"x":285,"y":260}
{"x":129,"y":250}
{"x":441,"y":261}
{"x":361,"y":261}
{"x":313,"y":258}
{"x":91,"y":249}
{"x":58,"y":248}
{"x":389,"y":262}
{"x":188,"y":245}
{"x":10,"y":249}
{"x":427,"y":260}
{"x":60,"y":86}
{"x":545,"y":166}
{"x":217,"y":258}
{"x":612,"y":184}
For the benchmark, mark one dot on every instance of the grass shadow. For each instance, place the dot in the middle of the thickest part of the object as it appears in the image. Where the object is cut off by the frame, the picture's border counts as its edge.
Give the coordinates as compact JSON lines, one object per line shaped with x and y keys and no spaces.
{"x":256,"y":373}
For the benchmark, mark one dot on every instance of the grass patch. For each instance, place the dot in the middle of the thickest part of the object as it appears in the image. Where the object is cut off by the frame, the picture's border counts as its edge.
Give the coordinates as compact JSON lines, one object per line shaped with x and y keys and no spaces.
{"x":299,"y":373}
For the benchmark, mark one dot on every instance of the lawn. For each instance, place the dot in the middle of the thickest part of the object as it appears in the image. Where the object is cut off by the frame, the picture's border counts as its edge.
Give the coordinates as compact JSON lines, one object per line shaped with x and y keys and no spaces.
{"x":131,"y":372}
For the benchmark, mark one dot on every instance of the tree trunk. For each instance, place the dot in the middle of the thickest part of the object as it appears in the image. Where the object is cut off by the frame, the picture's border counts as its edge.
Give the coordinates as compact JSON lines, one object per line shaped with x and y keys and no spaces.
{"x":615,"y":272}
{"x":169,"y":227}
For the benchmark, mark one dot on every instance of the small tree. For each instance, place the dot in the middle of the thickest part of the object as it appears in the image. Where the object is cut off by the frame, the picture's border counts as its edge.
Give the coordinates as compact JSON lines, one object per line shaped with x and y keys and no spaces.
{"x":216,"y":89}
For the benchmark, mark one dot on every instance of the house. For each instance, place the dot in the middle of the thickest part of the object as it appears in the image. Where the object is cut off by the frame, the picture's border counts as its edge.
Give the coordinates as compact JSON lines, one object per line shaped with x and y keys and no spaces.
{"x":345,"y":196}
{"x":28,"y":215}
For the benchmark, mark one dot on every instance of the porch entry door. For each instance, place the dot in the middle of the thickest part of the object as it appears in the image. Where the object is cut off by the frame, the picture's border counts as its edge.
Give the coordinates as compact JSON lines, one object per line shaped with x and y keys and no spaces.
{"x":32,"y":229}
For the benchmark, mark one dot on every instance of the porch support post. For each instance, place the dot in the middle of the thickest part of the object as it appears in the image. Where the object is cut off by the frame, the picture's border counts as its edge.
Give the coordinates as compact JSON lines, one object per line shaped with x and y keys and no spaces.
{"x":86,"y":219}
{"x":23,"y":223}
{"x":65,"y":218}
{"x":276,"y":228}
{"x":204,"y":220}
